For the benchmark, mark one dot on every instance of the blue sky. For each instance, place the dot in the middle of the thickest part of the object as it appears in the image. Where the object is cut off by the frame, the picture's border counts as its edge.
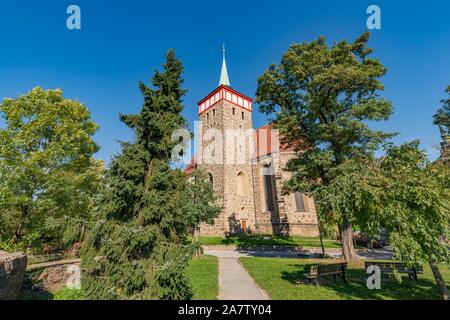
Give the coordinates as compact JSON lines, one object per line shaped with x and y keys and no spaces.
{"x":122,"y":42}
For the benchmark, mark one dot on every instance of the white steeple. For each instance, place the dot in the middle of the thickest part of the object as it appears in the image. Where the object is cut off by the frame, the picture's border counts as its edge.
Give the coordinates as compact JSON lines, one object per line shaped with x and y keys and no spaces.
{"x":224,"y":80}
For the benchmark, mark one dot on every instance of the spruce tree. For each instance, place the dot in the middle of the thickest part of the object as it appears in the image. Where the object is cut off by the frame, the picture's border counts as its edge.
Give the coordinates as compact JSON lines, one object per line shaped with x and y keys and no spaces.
{"x":137,"y":247}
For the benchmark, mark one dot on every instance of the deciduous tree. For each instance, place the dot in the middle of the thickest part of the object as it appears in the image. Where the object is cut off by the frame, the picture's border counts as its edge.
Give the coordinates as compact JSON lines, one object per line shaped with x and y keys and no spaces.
{"x":442,"y":119}
{"x":199,"y":204}
{"x":415,"y":207}
{"x":46,"y":165}
{"x":323,"y":98}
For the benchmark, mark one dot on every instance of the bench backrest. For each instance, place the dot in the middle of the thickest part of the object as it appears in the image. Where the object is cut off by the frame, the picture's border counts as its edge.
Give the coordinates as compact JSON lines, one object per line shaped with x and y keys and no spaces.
{"x":390,"y":266}
{"x":333,"y":267}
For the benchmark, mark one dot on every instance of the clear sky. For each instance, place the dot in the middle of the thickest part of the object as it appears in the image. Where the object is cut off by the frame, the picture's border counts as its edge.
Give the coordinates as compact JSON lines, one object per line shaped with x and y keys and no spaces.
{"x":122,"y":42}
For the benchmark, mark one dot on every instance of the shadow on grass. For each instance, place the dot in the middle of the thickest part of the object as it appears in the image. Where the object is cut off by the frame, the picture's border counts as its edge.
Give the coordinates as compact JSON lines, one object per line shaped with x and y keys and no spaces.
{"x":356,"y":288}
{"x":259,"y":240}
{"x":38,"y":295}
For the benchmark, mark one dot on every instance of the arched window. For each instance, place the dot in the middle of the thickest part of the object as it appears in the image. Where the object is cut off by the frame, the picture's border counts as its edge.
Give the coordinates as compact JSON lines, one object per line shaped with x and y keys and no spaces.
{"x":242,"y":184}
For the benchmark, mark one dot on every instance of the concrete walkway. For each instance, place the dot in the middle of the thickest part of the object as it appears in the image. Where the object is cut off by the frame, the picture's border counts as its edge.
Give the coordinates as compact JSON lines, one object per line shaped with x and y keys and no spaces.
{"x":236,"y":284}
{"x":234,"y":281}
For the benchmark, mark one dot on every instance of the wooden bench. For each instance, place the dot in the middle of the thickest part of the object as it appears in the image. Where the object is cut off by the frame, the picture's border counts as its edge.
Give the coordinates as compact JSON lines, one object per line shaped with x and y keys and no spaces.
{"x":389,"y":267}
{"x":334,"y":269}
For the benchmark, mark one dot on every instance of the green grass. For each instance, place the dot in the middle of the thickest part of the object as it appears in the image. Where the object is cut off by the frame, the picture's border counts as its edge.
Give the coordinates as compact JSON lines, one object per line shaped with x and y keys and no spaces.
{"x":203,"y":273}
{"x":279,"y":278}
{"x":275,"y":240}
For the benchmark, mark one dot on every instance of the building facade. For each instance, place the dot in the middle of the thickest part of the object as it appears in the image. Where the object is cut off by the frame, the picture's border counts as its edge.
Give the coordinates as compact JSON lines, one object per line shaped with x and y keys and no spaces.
{"x":245,"y":167}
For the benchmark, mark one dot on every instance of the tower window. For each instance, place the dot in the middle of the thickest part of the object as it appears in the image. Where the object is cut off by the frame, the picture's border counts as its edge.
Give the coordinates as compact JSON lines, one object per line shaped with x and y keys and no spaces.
{"x":207,"y":116}
{"x":234,"y":111}
{"x":242,"y":184}
{"x":300,"y":205}
{"x":242,"y":115}
{"x":214,"y":112}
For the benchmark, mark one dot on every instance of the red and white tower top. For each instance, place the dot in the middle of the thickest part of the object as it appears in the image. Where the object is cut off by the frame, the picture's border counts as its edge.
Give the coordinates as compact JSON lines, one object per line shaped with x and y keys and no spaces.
{"x":225,"y":92}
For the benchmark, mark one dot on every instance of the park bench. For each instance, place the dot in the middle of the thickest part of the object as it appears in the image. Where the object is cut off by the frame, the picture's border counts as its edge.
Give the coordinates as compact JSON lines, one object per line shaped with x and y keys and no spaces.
{"x":389,"y":267}
{"x":334,"y":269}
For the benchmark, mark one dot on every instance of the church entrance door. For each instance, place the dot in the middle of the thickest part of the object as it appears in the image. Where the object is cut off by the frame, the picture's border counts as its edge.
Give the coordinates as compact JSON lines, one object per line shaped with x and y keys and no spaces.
{"x":244,"y":226}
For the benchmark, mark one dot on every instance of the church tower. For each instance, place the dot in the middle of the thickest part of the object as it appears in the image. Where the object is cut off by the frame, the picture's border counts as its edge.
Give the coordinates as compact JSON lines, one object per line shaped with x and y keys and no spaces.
{"x":224,"y":154}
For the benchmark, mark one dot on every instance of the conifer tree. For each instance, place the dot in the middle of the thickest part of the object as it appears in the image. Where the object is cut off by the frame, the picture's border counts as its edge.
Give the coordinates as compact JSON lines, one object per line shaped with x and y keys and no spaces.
{"x":137,"y":247}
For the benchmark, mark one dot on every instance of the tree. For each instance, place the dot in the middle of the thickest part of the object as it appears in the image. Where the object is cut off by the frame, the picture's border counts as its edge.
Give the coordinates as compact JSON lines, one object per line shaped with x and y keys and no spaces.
{"x":415,"y":207}
{"x":46,"y":165}
{"x":442,"y":119}
{"x":137,"y":247}
{"x":322,"y":98}
{"x":199,"y":204}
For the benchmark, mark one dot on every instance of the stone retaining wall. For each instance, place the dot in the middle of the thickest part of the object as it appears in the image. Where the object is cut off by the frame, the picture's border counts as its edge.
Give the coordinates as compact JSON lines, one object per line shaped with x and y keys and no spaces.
{"x":12,"y":270}
{"x":56,"y":275}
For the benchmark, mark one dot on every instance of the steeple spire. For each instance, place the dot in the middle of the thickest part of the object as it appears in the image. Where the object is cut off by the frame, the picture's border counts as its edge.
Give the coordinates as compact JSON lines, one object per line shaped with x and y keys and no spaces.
{"x":224,"y":80}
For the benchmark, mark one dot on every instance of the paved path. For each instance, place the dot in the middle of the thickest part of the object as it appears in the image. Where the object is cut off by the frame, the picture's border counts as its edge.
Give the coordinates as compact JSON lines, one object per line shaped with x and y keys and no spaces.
{"x":234,"y":281}
{"x":236,"y":284}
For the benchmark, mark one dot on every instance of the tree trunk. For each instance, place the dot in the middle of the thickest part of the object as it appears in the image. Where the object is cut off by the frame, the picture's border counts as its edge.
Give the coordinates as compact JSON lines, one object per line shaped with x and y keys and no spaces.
{"x":346,"y":233}
{"x":439,"y":280}
{"x":18,"y":232}
{"x":195,"y":239}
{"x":196,"y":233}
{"x":321,"y":241}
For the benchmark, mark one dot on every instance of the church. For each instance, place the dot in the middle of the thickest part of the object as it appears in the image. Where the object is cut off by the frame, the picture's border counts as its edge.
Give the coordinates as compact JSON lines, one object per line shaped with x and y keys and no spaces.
{"x":245,"y":167}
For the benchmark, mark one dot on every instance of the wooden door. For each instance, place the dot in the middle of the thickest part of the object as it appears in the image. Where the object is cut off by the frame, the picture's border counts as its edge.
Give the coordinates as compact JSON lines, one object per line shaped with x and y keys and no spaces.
{"x":244,"y":226}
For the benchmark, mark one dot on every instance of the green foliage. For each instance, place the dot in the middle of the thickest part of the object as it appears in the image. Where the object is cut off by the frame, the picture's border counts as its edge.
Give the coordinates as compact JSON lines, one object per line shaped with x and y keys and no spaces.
{"x":442,"y":116}
{"x":415,"y":204}
{"x":442,"y":119}
{"x":46,"y":165}
{"x":137,"y":247}
{"x":323,"y":98}
{"x":199,"y":200}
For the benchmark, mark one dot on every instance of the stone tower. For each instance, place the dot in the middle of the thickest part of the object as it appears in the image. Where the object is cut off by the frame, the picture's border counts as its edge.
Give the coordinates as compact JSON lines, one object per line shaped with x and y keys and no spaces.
{"x":225,"y":153}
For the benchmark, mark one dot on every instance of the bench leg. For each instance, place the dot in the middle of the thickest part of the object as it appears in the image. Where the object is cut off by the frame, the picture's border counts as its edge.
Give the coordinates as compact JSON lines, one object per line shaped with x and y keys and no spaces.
{"x":415,"y":276}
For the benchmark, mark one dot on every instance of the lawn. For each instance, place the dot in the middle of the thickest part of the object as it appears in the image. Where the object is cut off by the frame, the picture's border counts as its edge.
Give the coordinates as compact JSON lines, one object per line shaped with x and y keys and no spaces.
{"x":274,"y":240}
{"x":279,"y":278}
{"x":203,"y":273}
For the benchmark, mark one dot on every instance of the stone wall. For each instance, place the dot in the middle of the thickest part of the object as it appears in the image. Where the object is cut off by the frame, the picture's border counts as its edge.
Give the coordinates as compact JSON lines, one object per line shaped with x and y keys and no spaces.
{"x":236,"y":207}
{"x":12,"y":270}
{"x":248,"y":207}
{"x":56,"y":275}
{"x":284,"y":219}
